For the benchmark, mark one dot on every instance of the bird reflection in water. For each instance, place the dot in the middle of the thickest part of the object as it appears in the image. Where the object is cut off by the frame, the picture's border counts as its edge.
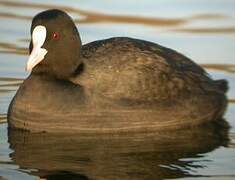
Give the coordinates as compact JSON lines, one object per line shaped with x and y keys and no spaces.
{"x":115,"y":156}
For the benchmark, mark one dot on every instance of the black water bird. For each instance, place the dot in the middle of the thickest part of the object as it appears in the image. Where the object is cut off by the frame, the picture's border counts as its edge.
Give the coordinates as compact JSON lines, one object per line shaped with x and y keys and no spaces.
{"x":119,"y":84}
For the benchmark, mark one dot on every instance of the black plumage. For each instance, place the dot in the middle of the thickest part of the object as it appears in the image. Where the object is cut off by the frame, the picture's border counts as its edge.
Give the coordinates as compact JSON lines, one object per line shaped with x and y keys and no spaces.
{"x":112,"y":85}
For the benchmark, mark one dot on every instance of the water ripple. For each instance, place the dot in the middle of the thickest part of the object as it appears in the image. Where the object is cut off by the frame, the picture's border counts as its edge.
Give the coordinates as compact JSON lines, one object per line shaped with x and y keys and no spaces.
{"x":98,"y":17}
{"x":3,"y":119}
{"x":206,"y":30}
{"x":14,"y":16}
{"x":10,"y":79}
{"x":8,"y":84}
{"x":230,"y":68}
{"x":12,"y":49}
{"x":231,"y":100}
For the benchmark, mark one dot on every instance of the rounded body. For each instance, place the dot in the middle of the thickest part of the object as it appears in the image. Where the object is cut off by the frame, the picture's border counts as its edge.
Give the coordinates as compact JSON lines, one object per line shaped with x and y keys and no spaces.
{"x":122,"y":85}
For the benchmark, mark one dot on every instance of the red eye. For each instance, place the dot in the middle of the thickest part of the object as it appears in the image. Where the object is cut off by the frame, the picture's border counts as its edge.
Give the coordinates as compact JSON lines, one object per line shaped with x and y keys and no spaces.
{"x":56,"y":36}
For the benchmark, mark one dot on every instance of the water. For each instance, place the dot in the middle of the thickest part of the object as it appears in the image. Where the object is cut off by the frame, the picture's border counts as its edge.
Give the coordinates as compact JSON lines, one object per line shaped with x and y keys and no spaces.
{"x":204,"y":30}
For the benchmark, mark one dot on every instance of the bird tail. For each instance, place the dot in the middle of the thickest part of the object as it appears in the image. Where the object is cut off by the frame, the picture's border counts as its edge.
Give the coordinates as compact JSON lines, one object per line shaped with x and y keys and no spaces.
{"x":222,"y":85}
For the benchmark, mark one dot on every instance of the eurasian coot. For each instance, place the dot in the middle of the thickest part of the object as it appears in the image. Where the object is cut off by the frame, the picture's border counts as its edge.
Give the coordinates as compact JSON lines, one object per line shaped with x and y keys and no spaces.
{"x":119,"y":84}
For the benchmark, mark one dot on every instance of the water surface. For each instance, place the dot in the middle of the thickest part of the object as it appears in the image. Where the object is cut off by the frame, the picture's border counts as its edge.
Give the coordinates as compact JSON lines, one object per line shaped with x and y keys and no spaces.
{"x":204,"y":30}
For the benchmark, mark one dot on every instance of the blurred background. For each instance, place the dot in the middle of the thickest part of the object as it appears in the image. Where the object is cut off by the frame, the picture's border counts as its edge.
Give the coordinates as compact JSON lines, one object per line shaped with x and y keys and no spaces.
{"x":203,"y":30}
